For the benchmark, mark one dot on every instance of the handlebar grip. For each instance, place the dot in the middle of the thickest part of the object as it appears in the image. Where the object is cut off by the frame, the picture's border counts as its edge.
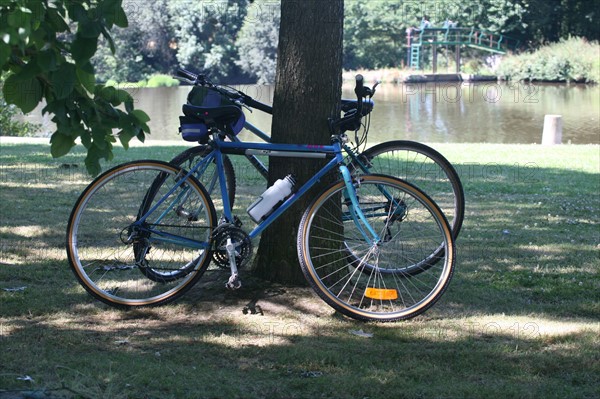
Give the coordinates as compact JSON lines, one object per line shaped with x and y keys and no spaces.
{"x":359,"y":85}
{"x":186,"y":74}
{"x":359,"y":91}
{"x":252,"y":103}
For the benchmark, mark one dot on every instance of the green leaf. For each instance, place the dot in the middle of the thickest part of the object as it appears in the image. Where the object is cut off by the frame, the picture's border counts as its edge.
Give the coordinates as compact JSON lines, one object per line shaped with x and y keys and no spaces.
{"x":83,"y":48}
{"x":109,"y":39}
{"x":4,"y":53}
{"x":140,"y":115}
{"x":121,"y":18}
{"x":85,"y":75}
{"x":129,"y":105}
{"x":46,"y":60}
{"x":63,"y":80}
{"x":57,"y":21}
{"x":29,"y":71}
{"x":109,"y":8}
{"x":86,"y":139}
{"x":90,"y":29}
{"x":19,"y":19}
{"x":77,"y":12}
{"x":123,"y":96}
{"x":92,"y":163}
{"x":24,"y":94}
{"x":108,"y":93}
{"x":60,"y":144}
{"x":124,"y":137}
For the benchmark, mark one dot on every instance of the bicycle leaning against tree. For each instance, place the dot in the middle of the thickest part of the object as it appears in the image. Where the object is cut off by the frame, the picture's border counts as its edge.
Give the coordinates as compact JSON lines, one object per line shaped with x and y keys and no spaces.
{"x":372,"y":246}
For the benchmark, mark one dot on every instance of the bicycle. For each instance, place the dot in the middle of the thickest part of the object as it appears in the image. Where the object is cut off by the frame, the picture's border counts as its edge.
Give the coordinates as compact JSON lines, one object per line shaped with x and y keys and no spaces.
{"x":151,"y":218}
{"x":411,"y":161}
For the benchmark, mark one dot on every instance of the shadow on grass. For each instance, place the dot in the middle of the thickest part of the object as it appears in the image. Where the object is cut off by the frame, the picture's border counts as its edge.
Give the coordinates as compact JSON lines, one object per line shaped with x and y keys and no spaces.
{"x":529,"y":241}
{"x":183,"y":353}
{"x":528,"y":249}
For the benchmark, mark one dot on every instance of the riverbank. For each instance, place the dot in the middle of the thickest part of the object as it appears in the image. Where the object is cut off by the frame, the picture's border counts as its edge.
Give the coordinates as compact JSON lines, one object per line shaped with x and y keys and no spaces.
{"x":398,"y":76}
{"x":573,"y":60}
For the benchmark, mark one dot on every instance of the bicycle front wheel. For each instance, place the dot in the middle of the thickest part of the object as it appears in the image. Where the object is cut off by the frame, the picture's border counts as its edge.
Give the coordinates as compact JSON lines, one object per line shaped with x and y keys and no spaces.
{"x":118,"y":252}
{"x":376,"y":280}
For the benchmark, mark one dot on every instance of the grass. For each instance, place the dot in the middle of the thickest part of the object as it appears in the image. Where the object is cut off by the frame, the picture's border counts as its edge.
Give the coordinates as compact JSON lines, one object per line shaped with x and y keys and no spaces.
{"x":520,"y":318}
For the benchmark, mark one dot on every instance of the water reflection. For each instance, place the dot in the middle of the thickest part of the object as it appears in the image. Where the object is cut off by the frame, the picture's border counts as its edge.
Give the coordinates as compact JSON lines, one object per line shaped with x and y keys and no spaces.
{"x":441,"y":112}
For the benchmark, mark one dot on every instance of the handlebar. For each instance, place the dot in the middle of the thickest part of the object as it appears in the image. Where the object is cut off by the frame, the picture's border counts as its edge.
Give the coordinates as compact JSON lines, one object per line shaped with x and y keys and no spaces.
{"x":350,"y":120}
{"x":229,"y":92}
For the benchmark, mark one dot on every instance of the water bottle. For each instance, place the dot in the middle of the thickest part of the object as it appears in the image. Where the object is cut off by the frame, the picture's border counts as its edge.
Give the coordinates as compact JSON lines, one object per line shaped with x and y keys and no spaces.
{"x":268,"y":201}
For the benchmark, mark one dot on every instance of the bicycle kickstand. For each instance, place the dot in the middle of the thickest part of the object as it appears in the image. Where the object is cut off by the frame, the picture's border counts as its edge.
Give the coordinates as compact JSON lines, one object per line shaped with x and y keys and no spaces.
{"x":234,"y":281}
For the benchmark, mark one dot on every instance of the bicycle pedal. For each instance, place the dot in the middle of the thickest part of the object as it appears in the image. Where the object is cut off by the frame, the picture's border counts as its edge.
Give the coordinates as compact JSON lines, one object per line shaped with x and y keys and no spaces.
{"x":234,"y":283}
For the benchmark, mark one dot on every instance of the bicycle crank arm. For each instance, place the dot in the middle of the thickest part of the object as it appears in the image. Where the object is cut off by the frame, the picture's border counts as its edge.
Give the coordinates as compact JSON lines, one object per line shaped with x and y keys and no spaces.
{"x":234,"y":281}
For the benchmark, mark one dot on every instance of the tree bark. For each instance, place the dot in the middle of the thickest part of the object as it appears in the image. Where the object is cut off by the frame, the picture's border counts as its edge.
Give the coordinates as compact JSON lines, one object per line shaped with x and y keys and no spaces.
{"x":307,"y":93}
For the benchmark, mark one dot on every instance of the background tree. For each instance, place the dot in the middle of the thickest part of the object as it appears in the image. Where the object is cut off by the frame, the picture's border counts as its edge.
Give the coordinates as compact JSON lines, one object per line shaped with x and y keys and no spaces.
{"x":258,"y":39}
{"x":205,"y":35}
{"x":45,"y":52}
{"x":307,"y":93}
{"x":147,"y":46}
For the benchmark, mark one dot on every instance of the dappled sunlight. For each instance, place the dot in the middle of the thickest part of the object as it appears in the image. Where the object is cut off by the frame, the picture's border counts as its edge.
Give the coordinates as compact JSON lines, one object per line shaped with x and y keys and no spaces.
{"x":25,"y":253}
{"x":30,"y":231}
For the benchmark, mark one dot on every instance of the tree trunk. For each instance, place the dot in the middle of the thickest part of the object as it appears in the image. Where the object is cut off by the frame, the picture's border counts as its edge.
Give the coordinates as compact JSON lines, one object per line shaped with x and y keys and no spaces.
{"x":307,"y":93}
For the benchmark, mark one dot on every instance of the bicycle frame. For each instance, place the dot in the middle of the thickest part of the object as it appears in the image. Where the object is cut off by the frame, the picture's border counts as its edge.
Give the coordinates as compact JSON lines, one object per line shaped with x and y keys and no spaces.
{"x":262,"y":169}
{"x":220,"y":147}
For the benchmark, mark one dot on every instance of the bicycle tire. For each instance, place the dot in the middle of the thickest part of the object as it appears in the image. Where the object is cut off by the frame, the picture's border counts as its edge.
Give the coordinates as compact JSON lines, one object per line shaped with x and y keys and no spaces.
{"x":101,"y":240}
{"x":190,"y":157}
{"x":374,"y":296}
{"x":423,"y":167}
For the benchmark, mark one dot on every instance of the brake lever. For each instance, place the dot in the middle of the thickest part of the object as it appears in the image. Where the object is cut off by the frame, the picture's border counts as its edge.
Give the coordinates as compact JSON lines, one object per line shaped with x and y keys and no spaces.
{"x":375,"y":87}
{"x":241,"y":104}
{"x":185,"y":80}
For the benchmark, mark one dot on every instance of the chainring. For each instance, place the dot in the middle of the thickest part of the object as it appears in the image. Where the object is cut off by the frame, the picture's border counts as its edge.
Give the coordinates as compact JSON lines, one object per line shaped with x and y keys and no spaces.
{"x":240,"y":240}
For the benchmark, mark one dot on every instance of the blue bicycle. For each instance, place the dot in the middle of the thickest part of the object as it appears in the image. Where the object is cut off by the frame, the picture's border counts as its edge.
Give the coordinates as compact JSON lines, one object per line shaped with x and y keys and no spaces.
{"x":408,"y":160}
{"x":373,"y":247}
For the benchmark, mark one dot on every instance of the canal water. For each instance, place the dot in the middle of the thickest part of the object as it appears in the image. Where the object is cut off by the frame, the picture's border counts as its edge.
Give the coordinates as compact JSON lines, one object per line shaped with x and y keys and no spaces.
{"x":433,"y":113}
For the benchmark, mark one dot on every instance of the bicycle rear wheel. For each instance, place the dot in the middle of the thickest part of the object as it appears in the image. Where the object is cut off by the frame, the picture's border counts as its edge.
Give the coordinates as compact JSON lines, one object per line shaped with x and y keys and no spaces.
{"x":381,"y":285}
{"x":423,"y":167}
{"x":110,"y":249}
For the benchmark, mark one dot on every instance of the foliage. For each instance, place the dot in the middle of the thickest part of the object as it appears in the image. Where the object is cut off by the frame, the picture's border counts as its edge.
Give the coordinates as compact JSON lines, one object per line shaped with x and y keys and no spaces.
{"x":571,"y":60}
{"x":159,"y":80}
{"x":257,"y":40}
{"x":45,"y":53}
{"x":234,"y":40}
{"x":147,"y":45}
{"x":10,"y":125}
{"x":205,"y":35}
{"x":549,"y":21}
{"x":374,"y":34}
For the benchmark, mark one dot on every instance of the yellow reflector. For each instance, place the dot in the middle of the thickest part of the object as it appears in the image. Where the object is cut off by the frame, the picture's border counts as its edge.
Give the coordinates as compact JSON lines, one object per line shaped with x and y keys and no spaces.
{"x":378,"y":293}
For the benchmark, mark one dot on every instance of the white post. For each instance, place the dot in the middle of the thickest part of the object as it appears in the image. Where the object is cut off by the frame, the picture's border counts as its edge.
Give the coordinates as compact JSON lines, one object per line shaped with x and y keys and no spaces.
{"x":553,"y":126}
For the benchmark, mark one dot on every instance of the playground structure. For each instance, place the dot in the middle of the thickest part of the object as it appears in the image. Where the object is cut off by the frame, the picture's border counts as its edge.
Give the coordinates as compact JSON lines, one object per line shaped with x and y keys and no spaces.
{"x":450,"y":35}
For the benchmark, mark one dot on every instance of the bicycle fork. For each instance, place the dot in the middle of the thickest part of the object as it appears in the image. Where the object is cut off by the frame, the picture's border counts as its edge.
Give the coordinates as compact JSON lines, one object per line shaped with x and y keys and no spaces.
{"x":361,"y":222}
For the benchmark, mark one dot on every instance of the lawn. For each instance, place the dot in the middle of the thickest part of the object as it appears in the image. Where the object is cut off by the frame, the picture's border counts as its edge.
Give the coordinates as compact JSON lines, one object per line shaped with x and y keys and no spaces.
{"x":520,"y":319}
